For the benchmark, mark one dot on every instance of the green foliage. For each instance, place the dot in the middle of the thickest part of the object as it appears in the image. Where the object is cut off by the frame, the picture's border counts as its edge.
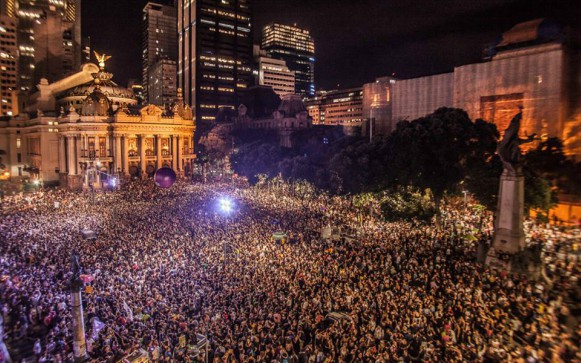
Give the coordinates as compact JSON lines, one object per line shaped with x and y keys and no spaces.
{"x":406,"y":204}
{"x":439,"y":151}
{"x":252,"y":160}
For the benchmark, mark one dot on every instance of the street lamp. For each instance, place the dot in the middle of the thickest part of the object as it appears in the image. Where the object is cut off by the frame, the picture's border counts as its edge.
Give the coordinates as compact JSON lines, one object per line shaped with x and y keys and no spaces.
{"x":465,"y":192}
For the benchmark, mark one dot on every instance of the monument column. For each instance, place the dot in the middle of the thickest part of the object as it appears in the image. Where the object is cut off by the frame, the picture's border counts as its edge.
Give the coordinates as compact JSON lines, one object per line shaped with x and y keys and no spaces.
{"x":79,"y":343}
{"x":158,"y":151}
{"x":509,"y":236}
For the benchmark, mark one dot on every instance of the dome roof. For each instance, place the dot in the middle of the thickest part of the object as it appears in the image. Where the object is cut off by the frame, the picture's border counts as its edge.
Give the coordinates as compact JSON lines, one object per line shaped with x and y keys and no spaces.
{"x":116,"y":95}
{"x":108,"y":88}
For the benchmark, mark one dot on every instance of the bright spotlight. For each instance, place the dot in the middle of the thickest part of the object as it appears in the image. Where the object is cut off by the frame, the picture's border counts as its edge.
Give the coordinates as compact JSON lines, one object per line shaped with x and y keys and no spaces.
{"x":36,"y":182}
{"x":226,"y":205}
{"x":113,"y":182}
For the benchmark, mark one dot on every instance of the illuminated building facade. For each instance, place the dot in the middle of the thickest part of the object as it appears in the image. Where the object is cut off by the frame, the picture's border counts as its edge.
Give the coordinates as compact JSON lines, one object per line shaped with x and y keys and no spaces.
{"x":162,"y":82}
{"x":274,"y":73}
{"x":534,"y":66}
{"x":337,"y":107}
{"x":84,"y":131}
{"x":297,"y":48}
{"x":159,"y":44}
{"x":49,"y":39}
{"x":8,"y":66}
{"x":215,"y":54}
{"x":377,"y":107}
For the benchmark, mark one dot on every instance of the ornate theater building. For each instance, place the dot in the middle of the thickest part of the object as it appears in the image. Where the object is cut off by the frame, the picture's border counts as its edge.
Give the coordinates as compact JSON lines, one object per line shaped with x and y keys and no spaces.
{"x":86,"y":131}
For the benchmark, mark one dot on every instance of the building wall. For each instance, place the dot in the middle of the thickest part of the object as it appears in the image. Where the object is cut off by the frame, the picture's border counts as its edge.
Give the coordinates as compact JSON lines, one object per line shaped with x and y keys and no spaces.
{"x":36,"y":24}
{"x":275,"y":73}
{"x":491,"y":90}
{"x":338,"y":107}
{"x":215,"y":54}
{"x":8,"y":66}
{"x":159,"y":42}
{"x":162,"y":83}
{"x":418,"y":97}
{"x":377,"y":112}
{"x":54,"y":48}
{"x":297,"y":48}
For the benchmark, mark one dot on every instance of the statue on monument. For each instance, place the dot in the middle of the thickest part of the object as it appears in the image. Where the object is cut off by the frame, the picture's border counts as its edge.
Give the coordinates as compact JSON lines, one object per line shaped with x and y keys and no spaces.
{"x":76,"y":270}
{"x":509,"y":148}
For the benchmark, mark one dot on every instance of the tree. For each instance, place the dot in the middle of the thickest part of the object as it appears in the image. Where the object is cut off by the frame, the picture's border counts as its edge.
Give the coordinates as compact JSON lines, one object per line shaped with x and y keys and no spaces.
{"x":257,"y":158}
{"x":435,"y":152}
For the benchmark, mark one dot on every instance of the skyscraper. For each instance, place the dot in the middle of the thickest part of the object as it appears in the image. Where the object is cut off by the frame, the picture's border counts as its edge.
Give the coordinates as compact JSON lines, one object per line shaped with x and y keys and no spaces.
{"x":49,"y":39}
{"x":273,"y":73}
{"x":297,"y":48}
{"x":159,"y":43}
{"x":162,"y":82}
{"x":215,"y":54}
{"x":8,"y":65}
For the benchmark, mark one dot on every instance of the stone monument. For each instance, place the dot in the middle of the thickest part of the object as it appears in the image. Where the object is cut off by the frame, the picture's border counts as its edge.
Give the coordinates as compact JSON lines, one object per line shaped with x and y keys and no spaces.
{"x":79,"y":343}
{"x":509,"y":237}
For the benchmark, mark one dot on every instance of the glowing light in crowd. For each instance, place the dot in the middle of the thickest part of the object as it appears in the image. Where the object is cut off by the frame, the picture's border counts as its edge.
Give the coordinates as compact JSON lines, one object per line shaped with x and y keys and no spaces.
{"x":226,"y":205}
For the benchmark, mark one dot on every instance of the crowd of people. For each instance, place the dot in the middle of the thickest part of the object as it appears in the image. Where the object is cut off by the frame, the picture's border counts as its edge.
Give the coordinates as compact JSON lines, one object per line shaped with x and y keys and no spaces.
{"x":168,"y":268}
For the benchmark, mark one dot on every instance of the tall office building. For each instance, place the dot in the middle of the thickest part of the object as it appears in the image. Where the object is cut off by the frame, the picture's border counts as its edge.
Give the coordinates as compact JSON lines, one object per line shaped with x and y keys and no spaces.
{"x":8,"y":66}
{"x":49,"y":39}
{"x":159,"y":43}
{"x":273,"y":73}
{"x":337,"y":107}
{"x":297,"y":48}
{"x":215,"y":54}
{"x":162,"y":82}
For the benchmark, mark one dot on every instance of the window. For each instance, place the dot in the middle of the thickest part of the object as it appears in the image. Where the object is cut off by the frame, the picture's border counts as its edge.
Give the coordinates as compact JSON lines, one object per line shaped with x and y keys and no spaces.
{"x":18,"y":143}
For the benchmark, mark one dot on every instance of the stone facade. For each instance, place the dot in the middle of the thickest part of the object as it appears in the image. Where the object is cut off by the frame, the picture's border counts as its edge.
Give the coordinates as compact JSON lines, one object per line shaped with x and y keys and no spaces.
{"x":99,"y":140}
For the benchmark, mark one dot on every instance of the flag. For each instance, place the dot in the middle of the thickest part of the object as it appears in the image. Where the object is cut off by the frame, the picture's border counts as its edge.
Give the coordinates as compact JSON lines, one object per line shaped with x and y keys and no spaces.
{"x":128,"y":311}
{"x":97,"y":327}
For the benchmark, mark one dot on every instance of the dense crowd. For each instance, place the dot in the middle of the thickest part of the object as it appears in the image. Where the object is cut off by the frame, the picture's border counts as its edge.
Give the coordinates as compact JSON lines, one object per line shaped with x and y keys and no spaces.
{"x":168,"y":267}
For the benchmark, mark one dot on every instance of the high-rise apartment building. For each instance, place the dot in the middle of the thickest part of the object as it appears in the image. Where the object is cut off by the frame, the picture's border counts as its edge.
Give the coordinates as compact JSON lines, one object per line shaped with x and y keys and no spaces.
{"x":49,"y":39}
{"x":297,"y":48}
{"x":159,"y":43}
{"x":215,"y":54}
{"x":8,"y":66}
{"x":337,"y":107}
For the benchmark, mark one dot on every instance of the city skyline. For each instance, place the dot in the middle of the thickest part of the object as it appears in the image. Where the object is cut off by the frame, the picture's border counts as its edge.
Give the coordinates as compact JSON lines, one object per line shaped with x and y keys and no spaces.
{"x":407,"y":40}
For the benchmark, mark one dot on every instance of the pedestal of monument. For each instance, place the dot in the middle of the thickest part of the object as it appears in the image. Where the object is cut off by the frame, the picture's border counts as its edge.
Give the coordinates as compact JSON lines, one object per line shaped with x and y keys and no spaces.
{"x":509,"y":236}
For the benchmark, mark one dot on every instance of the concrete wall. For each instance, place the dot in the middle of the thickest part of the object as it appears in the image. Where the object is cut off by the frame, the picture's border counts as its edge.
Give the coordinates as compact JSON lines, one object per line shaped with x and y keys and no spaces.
{"x":417,"y":97}
{"x":536,"y":73}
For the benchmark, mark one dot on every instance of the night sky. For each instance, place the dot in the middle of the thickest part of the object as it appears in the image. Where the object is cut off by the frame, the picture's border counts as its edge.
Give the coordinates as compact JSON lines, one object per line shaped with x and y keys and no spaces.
{"x":355,"y":40}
